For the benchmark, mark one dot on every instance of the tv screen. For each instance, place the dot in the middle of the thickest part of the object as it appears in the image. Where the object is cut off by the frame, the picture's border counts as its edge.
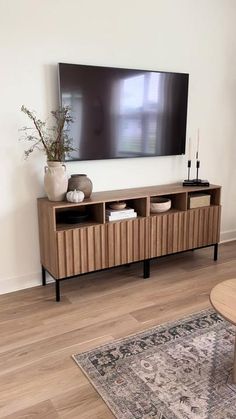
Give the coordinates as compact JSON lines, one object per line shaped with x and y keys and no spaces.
{"x":124,"y":113}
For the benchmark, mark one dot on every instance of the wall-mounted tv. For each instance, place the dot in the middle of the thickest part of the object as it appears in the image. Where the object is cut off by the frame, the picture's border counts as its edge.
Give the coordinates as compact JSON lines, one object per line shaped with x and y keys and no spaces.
{"x":123,"y":112}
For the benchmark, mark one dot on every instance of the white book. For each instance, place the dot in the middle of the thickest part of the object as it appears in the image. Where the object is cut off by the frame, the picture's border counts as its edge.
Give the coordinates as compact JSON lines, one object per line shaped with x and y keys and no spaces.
{"x":123,"y":211}
{"x":116,"y":217}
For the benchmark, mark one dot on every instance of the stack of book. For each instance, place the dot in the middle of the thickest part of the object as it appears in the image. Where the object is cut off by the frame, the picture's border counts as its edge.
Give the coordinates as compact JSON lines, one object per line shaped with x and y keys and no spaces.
{"x":114,"y":215}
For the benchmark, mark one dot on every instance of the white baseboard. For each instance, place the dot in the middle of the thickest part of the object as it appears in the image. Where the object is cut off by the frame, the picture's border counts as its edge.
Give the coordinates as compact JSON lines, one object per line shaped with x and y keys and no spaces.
{"x":22,"y":282}
{"x":227,"y":236}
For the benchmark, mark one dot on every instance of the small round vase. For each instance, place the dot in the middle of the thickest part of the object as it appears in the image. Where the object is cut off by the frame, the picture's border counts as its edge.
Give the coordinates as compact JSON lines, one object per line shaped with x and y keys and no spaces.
{"x":55,"y":181}
{"x":82,"y":183}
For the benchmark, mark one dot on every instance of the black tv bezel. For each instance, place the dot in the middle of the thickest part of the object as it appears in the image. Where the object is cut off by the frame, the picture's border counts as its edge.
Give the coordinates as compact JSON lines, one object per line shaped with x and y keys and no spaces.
{"x":132,"y":69}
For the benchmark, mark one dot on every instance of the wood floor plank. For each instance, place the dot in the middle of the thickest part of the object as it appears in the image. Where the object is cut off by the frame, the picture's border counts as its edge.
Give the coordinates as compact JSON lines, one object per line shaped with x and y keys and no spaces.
{"x":30,"y":384}
{"x":27,"y":354}
{"x":38,"y":377}
{"x":43,"y":410}
{"x":83,"y":403}
{"x":39,"y":310}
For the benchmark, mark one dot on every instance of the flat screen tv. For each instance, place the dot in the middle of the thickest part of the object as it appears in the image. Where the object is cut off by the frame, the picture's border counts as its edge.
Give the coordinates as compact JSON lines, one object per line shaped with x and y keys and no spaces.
{"x":122,"y":112}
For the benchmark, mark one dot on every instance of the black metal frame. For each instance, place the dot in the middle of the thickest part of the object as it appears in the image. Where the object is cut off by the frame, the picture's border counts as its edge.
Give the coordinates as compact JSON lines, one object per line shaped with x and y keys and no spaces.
{"x":215,"y":251}
{"x":146,"y":269}
{"x":43,"y":276}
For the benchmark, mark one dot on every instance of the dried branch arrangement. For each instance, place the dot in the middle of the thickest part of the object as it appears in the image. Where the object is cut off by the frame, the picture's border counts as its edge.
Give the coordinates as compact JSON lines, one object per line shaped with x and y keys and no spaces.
{"x":55,"y":140}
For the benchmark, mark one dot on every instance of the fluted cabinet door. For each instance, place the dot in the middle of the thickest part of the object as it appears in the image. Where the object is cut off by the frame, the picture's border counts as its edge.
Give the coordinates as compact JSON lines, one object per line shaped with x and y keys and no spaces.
{"x":81,"y":250}
{"x":167,"y":233}
{"x":127,"y":241}
{"x":203,"y":226}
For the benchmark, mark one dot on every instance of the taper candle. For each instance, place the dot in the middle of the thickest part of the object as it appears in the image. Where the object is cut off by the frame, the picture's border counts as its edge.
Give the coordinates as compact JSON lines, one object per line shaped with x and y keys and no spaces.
{"x":198,"y":140}
{"x":189,"y":149}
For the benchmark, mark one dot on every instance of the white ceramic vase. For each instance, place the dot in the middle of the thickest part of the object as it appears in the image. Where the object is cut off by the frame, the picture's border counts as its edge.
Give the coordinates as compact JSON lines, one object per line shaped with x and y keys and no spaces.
{"x":55,"y":181}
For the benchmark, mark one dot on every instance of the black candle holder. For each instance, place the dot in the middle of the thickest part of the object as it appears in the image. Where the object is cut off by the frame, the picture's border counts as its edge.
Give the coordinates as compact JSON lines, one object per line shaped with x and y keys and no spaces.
{"x":197,"y":170}
{"x":189,"y":169}
{"x":197,"y":181}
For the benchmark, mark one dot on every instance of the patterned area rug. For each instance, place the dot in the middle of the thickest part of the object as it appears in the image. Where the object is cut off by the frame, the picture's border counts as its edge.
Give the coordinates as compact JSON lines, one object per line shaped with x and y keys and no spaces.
{"x":176,"y":370}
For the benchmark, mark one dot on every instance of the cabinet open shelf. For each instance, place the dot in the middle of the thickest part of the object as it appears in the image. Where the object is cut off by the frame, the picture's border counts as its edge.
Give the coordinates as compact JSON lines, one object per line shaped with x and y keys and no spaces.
{"x":79,"y":216}
{"x":178,"y":202}
{"x":212,"y":197}
{"x":140,"y":205}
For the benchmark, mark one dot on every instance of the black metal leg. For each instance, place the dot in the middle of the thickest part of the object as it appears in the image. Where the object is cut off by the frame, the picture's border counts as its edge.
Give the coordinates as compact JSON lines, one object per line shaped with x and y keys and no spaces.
{"x":216,"y":251}
{"x":43,"y":276}
{"x":146,"y":268}
{"x":58,"y":295}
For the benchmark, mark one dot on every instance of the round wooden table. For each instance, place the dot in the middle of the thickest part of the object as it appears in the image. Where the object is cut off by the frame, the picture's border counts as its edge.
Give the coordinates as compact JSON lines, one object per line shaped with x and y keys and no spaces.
{"x":223,"y":299}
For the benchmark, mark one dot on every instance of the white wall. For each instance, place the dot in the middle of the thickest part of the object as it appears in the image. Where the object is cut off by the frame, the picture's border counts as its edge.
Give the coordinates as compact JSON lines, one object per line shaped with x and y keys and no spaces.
{"x":176,"y":35}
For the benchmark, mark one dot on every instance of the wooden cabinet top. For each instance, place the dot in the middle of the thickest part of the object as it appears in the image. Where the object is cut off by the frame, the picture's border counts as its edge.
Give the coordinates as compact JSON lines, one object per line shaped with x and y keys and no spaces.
{"x":132,"y":193}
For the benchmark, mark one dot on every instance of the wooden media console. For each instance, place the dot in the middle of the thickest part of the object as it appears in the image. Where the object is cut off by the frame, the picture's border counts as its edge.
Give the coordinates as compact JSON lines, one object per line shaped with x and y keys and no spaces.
{"x":69,"y":250}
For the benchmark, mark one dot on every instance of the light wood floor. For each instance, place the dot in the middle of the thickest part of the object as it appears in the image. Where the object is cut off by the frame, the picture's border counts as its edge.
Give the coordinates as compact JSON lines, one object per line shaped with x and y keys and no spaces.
{"x":39,"y":379}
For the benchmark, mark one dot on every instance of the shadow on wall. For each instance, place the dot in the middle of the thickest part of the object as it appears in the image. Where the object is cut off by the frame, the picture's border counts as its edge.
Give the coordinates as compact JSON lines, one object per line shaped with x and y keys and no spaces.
{"x":26,"y":184}
{"x":51,"y":86}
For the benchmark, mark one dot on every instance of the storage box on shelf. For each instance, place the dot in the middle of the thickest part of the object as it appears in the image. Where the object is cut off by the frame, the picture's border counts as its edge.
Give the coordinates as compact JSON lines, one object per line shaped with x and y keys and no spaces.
{"x":197,"y":200}
{"x":69,"y":248}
